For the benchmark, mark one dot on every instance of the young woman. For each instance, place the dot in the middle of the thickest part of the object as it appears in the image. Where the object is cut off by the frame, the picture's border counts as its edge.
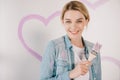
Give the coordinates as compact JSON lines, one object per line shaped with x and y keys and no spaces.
{"x":66,"y":58}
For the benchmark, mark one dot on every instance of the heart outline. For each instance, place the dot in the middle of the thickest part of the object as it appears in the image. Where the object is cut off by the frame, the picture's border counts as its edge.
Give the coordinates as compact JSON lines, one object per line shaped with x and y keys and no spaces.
{"x":37,"y":17}
{"x":111,"y":59}
{"x":95,"y":4}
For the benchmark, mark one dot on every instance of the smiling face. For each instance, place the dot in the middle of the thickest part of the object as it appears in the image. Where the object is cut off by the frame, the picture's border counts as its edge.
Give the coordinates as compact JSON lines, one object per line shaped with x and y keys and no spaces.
{"x":74,"y":22}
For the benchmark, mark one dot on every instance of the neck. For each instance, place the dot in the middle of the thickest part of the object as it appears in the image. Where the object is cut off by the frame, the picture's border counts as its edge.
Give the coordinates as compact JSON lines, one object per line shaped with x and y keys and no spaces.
{"x":77,"y":42}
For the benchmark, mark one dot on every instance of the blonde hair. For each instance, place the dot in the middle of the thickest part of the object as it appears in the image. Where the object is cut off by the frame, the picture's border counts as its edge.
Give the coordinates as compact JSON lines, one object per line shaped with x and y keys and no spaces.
{"x":76,"y":5}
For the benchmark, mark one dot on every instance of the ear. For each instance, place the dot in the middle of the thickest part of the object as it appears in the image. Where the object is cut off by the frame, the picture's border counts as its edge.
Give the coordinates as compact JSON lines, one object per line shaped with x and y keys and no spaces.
{"x":62,"y":21}
{"x":86,"y":22}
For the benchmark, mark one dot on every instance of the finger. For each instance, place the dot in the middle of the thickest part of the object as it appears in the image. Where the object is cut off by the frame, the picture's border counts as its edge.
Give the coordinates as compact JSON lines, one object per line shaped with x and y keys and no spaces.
{"x":84,"y":68}
{"x":85,"y":62}
{"x":83,"y":72}
{"x":87,"y":65}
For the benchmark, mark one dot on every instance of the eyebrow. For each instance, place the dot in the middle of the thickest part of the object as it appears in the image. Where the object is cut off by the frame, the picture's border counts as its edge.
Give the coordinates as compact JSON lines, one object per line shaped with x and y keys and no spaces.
{"x":80,"y":19}
{"x":77,"y":19}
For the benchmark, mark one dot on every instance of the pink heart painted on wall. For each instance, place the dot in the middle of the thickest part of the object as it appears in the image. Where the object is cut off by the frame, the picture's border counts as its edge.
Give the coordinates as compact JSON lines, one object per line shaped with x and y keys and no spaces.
{"x":41,"y":19}
{"x":112,"y":60}
{"x":94,"y":5}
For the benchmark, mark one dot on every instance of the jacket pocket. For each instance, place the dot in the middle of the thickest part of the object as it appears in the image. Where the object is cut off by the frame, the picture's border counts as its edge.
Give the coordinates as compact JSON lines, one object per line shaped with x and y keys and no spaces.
{"x":62,"y":66}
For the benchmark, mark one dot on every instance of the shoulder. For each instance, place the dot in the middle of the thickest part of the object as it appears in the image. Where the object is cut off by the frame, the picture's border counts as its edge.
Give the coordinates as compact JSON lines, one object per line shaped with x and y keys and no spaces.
{"x":89,"y":44}
{"x":58,"y":41}
{"x":53,"y":45}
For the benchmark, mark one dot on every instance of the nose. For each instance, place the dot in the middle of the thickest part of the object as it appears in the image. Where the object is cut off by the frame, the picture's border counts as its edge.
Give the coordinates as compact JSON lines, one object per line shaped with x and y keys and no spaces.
{"x":73,"y":26}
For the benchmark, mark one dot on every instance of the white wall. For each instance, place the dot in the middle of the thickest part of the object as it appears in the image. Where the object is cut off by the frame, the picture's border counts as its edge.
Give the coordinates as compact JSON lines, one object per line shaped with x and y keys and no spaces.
{"x":18,"y":61}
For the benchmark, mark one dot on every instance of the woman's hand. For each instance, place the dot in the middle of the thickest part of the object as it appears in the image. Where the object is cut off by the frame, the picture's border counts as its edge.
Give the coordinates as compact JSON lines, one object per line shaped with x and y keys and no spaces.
{"x":81,"y":69}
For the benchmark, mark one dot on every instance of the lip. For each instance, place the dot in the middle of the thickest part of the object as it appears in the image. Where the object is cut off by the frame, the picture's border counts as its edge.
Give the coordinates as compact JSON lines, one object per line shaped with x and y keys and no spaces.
{"x":74,"y":32}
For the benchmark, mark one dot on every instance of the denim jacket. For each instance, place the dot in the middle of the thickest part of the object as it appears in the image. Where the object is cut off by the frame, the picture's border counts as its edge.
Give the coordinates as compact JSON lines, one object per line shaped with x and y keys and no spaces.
{"x":58,"y":60}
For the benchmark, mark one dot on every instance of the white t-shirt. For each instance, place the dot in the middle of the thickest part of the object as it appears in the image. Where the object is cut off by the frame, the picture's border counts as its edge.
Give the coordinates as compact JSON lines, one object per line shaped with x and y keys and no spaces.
{"x":77,"y":58}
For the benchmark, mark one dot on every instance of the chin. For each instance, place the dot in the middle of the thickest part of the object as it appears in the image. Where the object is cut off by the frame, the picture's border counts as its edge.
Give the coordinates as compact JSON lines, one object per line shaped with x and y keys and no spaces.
{"x":74,"y":36}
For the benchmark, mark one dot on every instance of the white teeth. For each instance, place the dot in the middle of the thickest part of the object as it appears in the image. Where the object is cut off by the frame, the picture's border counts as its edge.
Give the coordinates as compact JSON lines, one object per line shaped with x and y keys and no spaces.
{"x":73,"y":32}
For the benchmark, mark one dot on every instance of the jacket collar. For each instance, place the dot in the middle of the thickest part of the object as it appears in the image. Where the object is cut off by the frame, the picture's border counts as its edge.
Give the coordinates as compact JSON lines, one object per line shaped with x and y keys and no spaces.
{"x":67,"y":41}
{"x":69,"y":45}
